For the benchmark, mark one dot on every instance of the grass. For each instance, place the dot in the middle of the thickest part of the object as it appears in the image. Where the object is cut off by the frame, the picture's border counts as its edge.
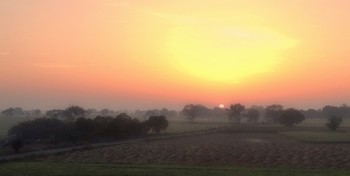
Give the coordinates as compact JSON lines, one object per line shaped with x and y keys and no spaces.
{"x":69,"y":169}
{"x":322,"y":123}
{"x":319,"y":137}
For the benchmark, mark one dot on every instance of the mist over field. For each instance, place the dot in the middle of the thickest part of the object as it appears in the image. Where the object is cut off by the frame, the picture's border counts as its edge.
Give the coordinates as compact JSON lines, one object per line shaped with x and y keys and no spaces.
{"x":214,"y":87}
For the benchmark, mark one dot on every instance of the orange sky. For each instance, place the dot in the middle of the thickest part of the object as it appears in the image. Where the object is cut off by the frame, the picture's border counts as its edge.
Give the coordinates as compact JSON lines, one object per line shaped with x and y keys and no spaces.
{"x":124,"y":54}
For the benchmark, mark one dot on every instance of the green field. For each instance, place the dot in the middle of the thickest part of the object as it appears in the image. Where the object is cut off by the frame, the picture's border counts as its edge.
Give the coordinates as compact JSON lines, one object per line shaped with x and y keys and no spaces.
{"x":322,"y":123}
{"x":69,"y":169}
{"x":319,"y":137}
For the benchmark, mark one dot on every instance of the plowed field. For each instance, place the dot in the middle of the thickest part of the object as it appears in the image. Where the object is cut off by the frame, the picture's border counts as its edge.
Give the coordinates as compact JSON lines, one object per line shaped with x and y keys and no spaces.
{"x":219,"y":149}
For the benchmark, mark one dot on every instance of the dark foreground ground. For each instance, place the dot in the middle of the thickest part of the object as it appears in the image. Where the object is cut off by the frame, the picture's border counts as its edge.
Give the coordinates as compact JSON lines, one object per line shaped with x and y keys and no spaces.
{"x":218,"y":150}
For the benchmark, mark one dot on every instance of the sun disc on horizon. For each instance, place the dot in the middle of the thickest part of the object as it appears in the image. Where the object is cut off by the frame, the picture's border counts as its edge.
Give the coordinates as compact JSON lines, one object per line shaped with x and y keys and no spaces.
{"x":221,"y":106}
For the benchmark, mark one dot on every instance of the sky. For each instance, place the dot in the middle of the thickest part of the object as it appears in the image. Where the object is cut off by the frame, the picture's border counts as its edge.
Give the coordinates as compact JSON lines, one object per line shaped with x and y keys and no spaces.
{"x":123,"y":54}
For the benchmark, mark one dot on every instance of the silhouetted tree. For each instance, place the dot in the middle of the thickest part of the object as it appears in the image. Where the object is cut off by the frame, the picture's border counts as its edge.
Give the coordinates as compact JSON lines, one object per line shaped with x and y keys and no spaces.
{"x":313,"y":114}
{"x":157,"y":123}
{"x":55,"y":113}
{"x":191,"y":111}
{"x":8,"y":112}
{"x":103,"y":125}
{"x":151,"y":112}
{"x":14,"y":141}
{"x":290,"y":117}
{"x":40,"y":128}
{"x":36,"y":112}
{"x":341,"y":111}
{"x":73,"y":112}
{"x":12,"y":112}
{"x":85,"y":128}
{"x":91,"y":112}
{"x":331,"y":110}
{"x":218,"y":112}
{"x":235,"y":112}
{"x":344,"y":111}
{"x":273,"y":112}
{"x":167,"y":113}
{"x":253,"y":115}
{"x":334,"y":122}
{"x":17,"y":144}
{"x":107,"y":112}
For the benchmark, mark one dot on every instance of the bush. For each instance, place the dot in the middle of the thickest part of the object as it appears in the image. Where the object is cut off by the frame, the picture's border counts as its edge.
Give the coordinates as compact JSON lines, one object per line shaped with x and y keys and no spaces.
{"x":334,"y":122}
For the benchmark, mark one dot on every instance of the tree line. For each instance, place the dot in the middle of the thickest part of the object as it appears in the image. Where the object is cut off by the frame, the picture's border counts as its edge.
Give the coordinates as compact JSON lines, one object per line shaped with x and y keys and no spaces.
{"x":271,"y":114}
{"x":75,"y":128}
{"x":71,"y":124}
{"x":191,"y":111}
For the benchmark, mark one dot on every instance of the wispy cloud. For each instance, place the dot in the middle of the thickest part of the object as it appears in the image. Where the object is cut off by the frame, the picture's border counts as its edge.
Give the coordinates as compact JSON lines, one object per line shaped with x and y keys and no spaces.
{"x":4,"y":53}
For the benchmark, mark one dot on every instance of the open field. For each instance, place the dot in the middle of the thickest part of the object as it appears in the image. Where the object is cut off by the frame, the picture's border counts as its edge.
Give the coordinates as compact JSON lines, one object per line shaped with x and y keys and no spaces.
{"x":229,"y":150}
{"x":322,"y":122}
{"x":218,"y":149}
{"x":244,"y":150}
{"x":320,"y":137}
{"x":184,"y":127}
{"x":64,"y":169}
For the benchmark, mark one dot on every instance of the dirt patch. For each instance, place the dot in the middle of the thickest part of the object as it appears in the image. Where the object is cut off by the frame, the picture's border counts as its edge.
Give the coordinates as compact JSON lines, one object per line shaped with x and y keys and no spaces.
{"x":220,"y":149}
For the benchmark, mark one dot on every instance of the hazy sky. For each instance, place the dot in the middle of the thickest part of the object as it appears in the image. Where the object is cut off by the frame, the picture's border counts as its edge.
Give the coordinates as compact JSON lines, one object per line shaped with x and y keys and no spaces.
{"x":125,"y":54}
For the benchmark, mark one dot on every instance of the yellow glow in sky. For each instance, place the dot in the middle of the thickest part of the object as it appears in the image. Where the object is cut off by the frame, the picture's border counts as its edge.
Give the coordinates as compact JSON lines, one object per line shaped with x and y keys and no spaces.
{"x":160,"y":53}
{"x":225,"y":54}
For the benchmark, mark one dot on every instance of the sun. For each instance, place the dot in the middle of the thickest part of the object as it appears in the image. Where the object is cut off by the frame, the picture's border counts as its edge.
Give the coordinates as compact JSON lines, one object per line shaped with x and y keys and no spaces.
{"x":221,"y":106}
{"x":225,"y":54}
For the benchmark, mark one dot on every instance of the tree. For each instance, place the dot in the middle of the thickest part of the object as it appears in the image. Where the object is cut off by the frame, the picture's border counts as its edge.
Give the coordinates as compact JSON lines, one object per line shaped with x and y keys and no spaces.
{"x":10,"y":112}
{"x":36,"y":112}
{"x":331,"y":110}
{"x":313,"y":114}
{"x":157,"y":123}
{"x":191,"y":111}
{"x":334,"y":122}
{"x":17,"y":144}
{"x":55,"y":113}
{"x":253,"y":115}
{"x":91,"y":112}
{"x":73,"y":112}
{"x":14,"y":141}
{"x":107,"y":112}
{"x":151,"y":112}
{"x":273,"y":112}
{"x":168,"y":113}
{"x":38,"y":129}
{"x":341,"y":111}
{"x":235,"y":112}
{"x":85,"y":127}
{"x":290,"y":117}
